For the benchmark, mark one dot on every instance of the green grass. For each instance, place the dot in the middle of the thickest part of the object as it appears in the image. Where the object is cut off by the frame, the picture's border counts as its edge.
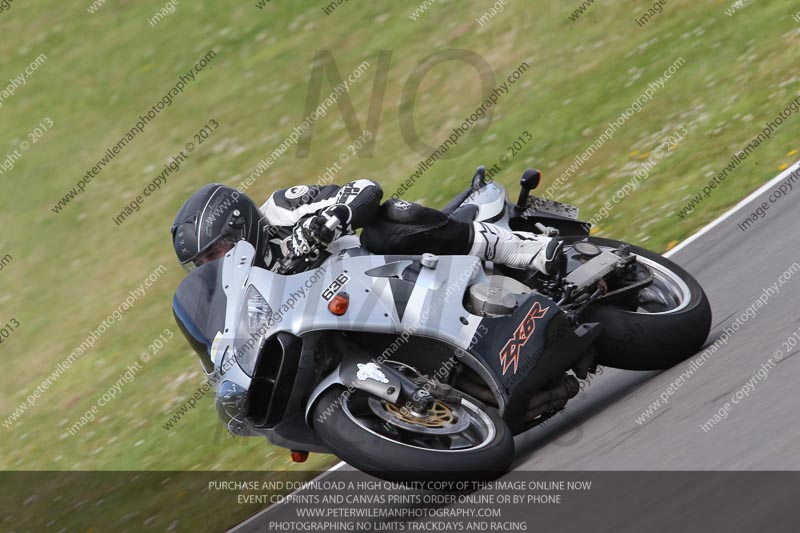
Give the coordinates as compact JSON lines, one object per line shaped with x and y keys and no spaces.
{"x":72,"y":269}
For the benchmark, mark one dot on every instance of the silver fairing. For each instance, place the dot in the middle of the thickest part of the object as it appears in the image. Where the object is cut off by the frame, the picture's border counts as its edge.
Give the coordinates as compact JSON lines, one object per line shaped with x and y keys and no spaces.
{"x":299,"y":302}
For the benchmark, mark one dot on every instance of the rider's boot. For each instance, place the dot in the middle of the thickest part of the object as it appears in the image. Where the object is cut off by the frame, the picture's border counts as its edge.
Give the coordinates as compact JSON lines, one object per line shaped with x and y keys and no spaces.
{"x":518,"y":249}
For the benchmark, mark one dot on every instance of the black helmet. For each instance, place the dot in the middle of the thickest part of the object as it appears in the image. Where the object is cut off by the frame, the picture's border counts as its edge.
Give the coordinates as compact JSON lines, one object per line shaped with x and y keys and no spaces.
{"x":211,"y":221}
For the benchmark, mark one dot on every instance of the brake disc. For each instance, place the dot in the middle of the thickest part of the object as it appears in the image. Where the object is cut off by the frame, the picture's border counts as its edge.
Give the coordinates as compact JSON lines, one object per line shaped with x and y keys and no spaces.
{"x":441,"y":418}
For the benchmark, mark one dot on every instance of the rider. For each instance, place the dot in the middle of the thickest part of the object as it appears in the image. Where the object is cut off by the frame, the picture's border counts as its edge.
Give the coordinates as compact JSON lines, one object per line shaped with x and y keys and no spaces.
{"x":211,"y":221}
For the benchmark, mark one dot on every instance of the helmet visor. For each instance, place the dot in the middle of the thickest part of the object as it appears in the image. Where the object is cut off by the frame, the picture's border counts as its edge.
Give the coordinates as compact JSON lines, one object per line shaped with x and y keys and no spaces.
{"x":212,"y":253}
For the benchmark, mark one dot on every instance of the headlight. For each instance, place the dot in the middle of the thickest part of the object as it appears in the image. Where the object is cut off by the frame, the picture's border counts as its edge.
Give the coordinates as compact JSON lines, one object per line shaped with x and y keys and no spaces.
{"x":254,"y":321}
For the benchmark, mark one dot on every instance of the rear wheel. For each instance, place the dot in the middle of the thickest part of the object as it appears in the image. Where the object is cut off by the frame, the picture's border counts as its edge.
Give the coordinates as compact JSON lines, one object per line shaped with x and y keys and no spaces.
{"x":657,"y":327}
{"x":452,"y":441}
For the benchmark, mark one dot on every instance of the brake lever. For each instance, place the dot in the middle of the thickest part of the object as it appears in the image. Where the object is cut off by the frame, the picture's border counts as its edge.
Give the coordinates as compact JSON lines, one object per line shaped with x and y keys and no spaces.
{"x":548,"y":231}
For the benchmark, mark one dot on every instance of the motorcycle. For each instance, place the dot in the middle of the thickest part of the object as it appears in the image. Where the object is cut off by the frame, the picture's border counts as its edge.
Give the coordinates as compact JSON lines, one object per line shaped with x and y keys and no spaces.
{"x":426,"y":366}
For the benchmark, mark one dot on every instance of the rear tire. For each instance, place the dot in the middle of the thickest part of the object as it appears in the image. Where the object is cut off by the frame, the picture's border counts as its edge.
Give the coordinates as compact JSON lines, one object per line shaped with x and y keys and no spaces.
{"x":389,"y":459}
{"x":643,"y":341}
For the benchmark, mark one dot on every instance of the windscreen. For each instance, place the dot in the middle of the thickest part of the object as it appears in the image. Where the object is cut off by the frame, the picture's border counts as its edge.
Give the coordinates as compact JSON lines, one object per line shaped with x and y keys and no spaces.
{"x":199,"y":309}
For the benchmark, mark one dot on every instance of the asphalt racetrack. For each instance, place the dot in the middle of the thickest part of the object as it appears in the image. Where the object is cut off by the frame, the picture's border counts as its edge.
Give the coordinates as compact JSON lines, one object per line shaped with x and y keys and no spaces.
{"x":602,"y":429}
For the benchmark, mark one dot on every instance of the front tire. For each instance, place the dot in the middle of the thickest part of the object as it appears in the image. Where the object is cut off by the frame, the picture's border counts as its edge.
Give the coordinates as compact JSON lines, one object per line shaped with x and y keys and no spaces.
{"x":652,"y":337}
{"x":365,"y":441}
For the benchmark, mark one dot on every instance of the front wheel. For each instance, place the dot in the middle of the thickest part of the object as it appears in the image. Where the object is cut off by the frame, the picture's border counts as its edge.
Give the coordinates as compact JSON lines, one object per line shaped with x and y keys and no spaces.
{"x":464,"y":441}
{"x":657,"y":327}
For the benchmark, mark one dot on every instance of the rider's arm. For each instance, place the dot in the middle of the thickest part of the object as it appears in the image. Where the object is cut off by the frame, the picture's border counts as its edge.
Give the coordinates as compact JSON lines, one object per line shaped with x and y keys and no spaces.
{"x":355,"y":203}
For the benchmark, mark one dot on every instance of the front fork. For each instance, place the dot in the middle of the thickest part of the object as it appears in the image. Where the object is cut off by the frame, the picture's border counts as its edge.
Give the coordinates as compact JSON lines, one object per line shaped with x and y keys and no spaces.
{"x":360,"y":371}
